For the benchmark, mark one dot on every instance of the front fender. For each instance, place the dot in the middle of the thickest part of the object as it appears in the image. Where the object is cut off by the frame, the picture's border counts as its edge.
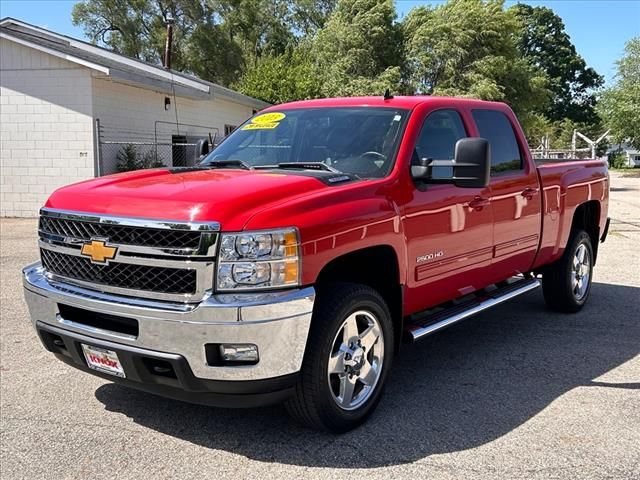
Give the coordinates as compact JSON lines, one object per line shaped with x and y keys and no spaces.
{"x":338,"y":221}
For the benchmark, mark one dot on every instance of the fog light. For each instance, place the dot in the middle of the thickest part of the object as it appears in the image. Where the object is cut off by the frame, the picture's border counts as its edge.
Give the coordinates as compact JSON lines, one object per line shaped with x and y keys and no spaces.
{"x":246,"y":353}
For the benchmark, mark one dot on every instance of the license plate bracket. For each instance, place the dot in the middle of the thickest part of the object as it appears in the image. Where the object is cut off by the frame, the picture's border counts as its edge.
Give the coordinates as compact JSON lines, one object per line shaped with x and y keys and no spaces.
{"x":103,"y":360}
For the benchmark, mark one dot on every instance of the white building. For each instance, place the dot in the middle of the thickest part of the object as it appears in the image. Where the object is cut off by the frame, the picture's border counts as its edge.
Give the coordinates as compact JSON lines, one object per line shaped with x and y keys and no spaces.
{"x":68,"y":107}
{"x":631,"y":154}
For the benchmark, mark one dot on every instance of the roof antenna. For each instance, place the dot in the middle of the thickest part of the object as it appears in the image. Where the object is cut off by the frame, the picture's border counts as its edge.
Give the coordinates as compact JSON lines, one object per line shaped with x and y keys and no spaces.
{"x":387,"y":95}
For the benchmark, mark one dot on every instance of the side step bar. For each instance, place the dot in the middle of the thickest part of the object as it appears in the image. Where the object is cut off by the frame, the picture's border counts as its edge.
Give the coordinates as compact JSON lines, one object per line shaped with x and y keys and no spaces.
{"x":444,"y":318}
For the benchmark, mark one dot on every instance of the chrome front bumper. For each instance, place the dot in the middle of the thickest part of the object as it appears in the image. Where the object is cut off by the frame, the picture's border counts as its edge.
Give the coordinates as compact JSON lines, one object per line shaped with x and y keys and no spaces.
{"x":277,"y":322}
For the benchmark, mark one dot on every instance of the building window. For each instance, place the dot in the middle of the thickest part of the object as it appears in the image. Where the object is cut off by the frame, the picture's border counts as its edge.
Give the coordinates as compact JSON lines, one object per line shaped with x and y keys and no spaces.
{"x":228,"y":129}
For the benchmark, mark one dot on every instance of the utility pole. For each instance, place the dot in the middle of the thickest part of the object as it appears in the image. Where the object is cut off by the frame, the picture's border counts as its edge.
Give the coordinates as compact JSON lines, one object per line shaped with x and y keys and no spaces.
{"x":167,"y":45}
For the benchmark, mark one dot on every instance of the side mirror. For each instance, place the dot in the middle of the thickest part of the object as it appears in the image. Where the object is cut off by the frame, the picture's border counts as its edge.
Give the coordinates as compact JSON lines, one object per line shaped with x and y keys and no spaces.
{"x":202,"y":148}
{"x":472,"y":164}
{"x":470,"y":167}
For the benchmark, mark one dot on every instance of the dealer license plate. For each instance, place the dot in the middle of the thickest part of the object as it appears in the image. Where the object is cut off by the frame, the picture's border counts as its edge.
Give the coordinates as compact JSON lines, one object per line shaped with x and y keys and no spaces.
{"x":103,"y":360}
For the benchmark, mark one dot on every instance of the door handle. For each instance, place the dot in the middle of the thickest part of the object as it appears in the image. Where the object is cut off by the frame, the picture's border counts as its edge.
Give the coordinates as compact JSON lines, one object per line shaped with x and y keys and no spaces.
{"x":478,"y":203}
{"x":529,"y":192}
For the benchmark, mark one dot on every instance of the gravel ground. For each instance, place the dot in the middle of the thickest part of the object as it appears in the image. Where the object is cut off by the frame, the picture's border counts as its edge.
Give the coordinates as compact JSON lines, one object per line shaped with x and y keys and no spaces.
{"x":518,"y":392}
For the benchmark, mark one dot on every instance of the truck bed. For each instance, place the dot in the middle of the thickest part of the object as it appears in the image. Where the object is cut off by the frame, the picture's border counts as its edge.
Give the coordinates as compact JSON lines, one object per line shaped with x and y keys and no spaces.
{"x":565,"y":184}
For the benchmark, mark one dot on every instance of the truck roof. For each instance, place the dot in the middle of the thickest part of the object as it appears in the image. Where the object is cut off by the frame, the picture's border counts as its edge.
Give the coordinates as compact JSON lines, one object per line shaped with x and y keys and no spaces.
{"x":405,"y":102}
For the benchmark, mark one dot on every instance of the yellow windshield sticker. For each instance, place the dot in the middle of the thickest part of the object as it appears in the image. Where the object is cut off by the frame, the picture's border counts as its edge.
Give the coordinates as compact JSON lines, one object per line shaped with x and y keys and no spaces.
{"x":268,"y":118}
{"x":260,"y":126}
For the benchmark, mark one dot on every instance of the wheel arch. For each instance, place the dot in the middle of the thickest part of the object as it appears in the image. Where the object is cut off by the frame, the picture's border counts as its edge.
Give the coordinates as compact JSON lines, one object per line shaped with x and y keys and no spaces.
{"x":377,"y":267}
{"x":587,"y":217}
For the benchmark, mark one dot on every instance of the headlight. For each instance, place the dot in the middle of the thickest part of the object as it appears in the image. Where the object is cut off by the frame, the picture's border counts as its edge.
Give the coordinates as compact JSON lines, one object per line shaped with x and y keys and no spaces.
{"x":258,"y":260}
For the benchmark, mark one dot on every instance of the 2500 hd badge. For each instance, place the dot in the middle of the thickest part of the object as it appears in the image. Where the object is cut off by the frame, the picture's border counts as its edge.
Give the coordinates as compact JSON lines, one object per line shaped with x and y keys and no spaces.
{"x":430,"y":256}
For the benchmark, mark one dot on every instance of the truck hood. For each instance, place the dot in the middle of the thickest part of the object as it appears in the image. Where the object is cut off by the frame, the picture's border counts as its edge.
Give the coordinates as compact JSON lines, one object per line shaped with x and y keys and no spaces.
{"x":230,"y":197}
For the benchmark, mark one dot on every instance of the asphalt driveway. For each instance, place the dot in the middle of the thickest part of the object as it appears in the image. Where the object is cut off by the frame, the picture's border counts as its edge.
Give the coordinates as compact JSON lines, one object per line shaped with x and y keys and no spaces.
{"x":517,"y":392}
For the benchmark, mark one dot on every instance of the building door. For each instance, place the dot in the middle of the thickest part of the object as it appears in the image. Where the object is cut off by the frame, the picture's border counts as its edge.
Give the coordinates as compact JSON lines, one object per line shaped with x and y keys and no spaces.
{"x":178,"y":151}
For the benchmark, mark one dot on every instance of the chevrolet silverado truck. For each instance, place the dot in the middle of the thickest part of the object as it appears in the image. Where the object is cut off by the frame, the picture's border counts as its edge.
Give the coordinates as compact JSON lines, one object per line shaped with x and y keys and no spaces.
{"x":291,"y":263}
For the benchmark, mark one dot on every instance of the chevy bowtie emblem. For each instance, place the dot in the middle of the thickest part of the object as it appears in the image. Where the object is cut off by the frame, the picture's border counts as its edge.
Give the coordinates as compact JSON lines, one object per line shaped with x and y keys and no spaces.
{"x":99,"y":251}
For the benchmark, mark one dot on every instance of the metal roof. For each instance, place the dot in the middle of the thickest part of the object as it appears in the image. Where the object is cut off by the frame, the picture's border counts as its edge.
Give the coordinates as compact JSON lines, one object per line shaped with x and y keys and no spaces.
{"x":119,"y":68}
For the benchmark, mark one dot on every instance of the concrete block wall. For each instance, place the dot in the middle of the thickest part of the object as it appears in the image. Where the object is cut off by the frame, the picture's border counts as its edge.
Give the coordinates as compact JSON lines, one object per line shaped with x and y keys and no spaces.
{"x":46,"y":127}
{"x":48,"y":107}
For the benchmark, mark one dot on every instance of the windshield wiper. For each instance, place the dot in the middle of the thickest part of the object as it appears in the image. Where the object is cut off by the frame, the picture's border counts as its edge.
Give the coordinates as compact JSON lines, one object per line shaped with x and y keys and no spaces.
{"x":228,"y":164}
{"x":301,"y":166}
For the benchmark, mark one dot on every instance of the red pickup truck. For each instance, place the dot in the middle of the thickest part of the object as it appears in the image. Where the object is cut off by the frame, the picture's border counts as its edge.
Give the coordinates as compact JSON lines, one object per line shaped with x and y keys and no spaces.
{"x":293,"y":260}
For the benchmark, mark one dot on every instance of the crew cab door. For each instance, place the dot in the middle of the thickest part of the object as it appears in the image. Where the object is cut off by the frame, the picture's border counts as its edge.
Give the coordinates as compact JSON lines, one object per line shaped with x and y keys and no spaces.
{"x":449,"y":229}
{"x":515,"y":196}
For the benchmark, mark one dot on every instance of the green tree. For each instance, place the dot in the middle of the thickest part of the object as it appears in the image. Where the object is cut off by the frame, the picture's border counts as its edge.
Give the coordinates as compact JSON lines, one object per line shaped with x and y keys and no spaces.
{"x":135,"y":27}
{"x":619,"y":105}
{"x":283,"y":78}
{"x":309,"y":16}
{"x":536,"y":127}
{"x":359,"y":51}
{"x":544,"y":42}
{"x":259,"y":27}
{"x":212,"y":54}
{"x":213,"y":39}
{"x":469,"y":48}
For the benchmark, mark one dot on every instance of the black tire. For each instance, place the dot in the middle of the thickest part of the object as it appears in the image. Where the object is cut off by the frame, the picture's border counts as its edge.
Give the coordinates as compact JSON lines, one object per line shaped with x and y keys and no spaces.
{"x":558,"y":287}
{"x":314,"y":403}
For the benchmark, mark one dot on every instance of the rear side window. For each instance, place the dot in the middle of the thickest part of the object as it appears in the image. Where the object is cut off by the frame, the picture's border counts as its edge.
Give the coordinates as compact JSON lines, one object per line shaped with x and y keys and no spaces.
{"x":437,"y":141}
{"x":497,"y":129}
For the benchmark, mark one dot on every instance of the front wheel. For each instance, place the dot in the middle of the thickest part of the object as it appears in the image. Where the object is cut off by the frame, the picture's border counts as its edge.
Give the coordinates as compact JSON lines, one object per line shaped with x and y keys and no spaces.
{"x":349,"y":353}
{"x":566,"y":284}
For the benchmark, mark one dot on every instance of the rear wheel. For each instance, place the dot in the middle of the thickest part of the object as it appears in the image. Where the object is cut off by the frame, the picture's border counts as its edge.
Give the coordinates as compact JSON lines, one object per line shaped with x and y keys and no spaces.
{"x":348,"y":357}
{"x":566,"y":284}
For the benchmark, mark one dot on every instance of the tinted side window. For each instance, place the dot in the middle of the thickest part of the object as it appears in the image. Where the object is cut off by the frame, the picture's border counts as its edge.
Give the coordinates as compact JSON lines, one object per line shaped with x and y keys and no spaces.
{"x":440,"y":132}
{"x":497,"y":129}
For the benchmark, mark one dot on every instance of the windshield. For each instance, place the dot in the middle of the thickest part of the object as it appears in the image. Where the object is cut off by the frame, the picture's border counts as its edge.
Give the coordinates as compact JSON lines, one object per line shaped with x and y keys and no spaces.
{"x":356,"y":140}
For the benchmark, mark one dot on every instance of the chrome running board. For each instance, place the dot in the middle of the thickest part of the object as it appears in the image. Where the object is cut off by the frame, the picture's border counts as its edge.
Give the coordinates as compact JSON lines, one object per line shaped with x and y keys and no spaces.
{"x":434,"y":322}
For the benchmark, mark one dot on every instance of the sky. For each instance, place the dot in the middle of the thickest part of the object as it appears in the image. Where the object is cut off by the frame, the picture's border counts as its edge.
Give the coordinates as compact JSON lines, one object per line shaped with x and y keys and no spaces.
{"x":598,"y":28}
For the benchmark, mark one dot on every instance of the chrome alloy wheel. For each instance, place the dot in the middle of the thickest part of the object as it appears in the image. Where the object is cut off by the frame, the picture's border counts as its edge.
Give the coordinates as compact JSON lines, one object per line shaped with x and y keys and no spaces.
{"x":580,"y":272}
{"x":355,"y":361}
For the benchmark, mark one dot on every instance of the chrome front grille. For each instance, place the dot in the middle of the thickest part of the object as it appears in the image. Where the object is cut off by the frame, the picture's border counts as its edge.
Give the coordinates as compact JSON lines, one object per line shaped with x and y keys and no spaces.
{"x":163,"y":260}
{"x":121,"y":275}
{"x":122,"y":234}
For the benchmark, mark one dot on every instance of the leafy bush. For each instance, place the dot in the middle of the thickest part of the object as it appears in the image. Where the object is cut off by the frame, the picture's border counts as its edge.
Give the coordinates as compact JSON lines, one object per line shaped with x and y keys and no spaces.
{"x":617,"y":160}
{"x":150,"y":160}
{"x":129,"y":159}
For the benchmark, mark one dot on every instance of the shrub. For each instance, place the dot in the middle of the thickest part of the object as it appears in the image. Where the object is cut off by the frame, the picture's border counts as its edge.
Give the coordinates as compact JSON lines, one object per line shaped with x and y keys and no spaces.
{"x":617,"y":160}
{"x":150,"y":160}
{"x":129,"y":159}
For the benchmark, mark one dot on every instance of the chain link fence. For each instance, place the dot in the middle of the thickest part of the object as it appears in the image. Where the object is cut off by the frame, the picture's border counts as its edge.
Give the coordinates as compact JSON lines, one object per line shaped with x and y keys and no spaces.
{"x":166,"y":145}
